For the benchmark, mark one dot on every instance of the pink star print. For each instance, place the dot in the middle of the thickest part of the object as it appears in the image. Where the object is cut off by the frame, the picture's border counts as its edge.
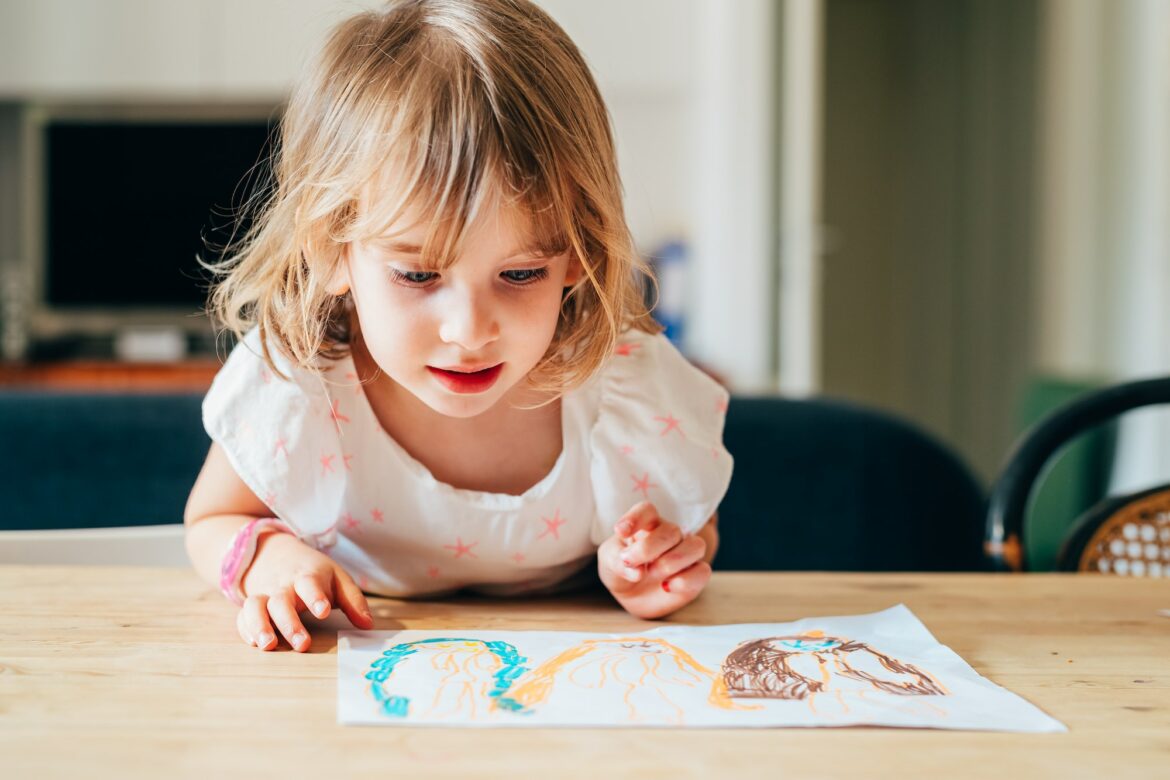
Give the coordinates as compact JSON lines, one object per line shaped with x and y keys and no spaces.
{"x":643,"y":485}
{"x":432,"y":571}
{"x":357,"y":383}
{"x":335,"y":412}
{"x":553,"y":525}
{"x":518,"y":557}
{"x":627,"y":449}
{"x":351,"y":522}
{"x":625,"y":350}
{"x":269,"y":499}
{"x":326,"y":463}
{"x":265,"y":375}
{"x":346,"y":459}
{"x":460,"y":548}
{"x":280,"y":448}
{"x":376,"y":514}
{"x":671,"y":425}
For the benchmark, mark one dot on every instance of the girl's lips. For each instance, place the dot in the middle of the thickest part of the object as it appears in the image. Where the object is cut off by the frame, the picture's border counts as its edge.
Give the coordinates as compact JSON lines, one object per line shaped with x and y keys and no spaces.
{"x":467,"y":382}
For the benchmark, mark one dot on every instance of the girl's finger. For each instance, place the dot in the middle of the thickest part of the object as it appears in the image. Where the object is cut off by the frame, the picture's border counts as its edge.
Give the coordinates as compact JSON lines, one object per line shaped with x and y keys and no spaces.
{"x":245,"y":634}
{"x":652,"y":545}
{"x":690,"y":581}
{"x":284,"y":614}
{"x":312,"y":595}
{"x":682,"y":556}
{"x":351,"y":600}
{"x":641,"y":516}
{"x":256,"y":623}
{"x":609,"y":556}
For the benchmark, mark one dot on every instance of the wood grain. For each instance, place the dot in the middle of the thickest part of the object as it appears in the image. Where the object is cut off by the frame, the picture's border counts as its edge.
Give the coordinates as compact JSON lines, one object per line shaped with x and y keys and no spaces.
{"x":140,"y":672}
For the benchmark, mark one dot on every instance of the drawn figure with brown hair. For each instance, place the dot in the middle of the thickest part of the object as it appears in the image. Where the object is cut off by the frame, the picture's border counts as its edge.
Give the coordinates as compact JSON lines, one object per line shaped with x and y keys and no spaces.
{"x":646,"y":676}
{"x":800,"y":667}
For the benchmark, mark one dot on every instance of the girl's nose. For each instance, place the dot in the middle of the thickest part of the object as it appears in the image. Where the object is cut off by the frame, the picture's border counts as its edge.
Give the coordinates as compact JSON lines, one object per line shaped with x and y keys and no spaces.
{"x":468,"y":322}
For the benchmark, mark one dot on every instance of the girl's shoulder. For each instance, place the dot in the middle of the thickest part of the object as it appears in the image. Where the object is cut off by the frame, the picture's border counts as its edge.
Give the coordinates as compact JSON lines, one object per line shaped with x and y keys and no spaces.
{"x":248,"y":392}
{"x":276,"y":428}
{"x":657,"y":433}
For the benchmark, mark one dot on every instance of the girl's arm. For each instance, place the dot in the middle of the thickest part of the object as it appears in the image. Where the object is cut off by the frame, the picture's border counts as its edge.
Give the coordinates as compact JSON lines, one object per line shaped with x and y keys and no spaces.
{"x":219,"y":506}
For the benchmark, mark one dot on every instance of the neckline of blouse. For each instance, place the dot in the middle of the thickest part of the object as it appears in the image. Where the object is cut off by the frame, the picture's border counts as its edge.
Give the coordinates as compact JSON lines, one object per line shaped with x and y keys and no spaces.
{"x":481,"y":498}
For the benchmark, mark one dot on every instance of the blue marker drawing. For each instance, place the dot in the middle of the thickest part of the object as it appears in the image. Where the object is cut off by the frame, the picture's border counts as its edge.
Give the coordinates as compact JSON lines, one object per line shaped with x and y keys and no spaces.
{"x":510,"y":661}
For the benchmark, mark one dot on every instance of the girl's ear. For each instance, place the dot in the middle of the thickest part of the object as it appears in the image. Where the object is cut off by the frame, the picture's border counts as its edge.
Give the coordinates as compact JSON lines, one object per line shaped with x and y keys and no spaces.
{"x":338,"y":282}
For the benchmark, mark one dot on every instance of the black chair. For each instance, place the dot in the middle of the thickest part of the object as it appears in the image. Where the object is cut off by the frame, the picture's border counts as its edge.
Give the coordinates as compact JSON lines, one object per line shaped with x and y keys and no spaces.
{"x":73,"y":460}
{"x":1122,"y":535}
{"x":827,"y":485}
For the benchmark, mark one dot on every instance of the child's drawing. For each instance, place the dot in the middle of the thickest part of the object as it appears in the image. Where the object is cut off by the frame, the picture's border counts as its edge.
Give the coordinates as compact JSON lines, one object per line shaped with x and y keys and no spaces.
{"x":882,"y":669}
{"x":810,"y":665}
{"x":461,"y":678}
{"x":638,"y":675}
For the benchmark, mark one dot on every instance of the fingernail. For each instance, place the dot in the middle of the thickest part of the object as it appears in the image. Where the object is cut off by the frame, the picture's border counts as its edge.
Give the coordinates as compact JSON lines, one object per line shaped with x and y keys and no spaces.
{"x":666,"y":585}
{"x":632,"y":574}
{"x":298,"y":639}
{"x":624,"y":528}
{"x":264,"y":640}
{"x":319,"y":607}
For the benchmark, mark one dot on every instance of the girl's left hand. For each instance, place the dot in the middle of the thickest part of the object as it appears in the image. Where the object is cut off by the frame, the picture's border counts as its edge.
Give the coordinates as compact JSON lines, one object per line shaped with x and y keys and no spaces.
{"x":650,"y":566}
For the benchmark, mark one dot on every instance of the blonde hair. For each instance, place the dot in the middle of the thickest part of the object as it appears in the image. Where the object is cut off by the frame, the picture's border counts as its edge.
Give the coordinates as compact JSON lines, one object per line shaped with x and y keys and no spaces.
{"x":436,"y":105}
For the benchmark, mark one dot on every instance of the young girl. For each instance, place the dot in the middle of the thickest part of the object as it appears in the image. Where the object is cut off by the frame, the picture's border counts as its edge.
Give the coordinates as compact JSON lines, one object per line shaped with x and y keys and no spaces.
{"x":446,"y":378}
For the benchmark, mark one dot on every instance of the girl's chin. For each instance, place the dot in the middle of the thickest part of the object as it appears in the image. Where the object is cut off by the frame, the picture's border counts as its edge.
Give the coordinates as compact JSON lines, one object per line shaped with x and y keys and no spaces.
{"x":463,"y":405}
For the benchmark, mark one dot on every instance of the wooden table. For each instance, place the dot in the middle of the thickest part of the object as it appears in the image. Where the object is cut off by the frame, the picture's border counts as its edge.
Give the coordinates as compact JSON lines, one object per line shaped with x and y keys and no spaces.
{"x":127,"y":671}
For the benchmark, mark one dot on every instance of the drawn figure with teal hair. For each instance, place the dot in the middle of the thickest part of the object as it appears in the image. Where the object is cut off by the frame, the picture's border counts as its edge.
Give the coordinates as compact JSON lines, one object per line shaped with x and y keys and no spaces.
{"x":446,"y":678}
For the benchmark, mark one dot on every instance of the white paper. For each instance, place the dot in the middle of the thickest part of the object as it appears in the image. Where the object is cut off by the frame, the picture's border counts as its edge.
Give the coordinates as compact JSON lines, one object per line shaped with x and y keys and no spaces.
{"x":882,"y":669}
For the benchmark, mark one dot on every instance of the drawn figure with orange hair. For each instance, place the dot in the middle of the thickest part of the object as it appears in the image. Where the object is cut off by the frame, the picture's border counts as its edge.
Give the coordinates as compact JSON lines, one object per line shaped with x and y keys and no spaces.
{"x":803,"y":666}
{"x":473,"y":677}
{"x":645,"y":676}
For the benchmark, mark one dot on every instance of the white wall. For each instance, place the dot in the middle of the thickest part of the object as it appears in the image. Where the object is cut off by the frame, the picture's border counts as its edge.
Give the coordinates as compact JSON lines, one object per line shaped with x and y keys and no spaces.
{"x":1104,"y":254}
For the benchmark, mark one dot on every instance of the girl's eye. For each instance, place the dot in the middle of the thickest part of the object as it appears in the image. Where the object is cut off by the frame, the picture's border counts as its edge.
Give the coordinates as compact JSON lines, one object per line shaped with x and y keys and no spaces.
{"x":525,"y":276}
{"x":413,"y":278}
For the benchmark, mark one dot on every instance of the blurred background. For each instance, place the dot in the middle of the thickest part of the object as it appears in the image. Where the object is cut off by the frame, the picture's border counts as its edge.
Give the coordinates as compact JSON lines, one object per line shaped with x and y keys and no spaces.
{"x":953,"y":210}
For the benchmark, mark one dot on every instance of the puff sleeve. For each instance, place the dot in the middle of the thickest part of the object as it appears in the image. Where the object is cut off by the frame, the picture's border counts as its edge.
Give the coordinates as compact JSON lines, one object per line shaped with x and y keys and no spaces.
{"x":658,"y":436}
{"x":281,"y":438}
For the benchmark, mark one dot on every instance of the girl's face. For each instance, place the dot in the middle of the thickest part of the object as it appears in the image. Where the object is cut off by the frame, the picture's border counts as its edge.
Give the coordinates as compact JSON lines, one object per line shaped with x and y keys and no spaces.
{"x":463,"y":338}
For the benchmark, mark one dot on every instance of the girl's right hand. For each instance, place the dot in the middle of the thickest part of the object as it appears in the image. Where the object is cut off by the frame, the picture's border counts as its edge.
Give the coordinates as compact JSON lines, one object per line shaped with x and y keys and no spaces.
{"x":288,"y":577}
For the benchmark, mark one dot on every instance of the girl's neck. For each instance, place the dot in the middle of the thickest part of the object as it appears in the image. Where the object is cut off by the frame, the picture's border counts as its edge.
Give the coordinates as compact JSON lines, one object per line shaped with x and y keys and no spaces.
{"x":506,"y":449}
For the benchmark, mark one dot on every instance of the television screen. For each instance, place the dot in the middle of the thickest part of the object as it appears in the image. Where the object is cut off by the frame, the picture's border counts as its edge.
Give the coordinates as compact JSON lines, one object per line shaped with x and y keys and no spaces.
{"x":130,"y":204}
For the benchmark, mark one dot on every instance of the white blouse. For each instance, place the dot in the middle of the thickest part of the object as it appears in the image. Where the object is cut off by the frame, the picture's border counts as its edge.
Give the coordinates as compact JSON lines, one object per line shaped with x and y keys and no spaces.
{"x":648,"y":425}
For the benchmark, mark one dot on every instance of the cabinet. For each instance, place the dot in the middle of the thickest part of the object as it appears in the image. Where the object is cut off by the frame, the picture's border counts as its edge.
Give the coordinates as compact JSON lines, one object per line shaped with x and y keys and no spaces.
{"x":192,"y":376}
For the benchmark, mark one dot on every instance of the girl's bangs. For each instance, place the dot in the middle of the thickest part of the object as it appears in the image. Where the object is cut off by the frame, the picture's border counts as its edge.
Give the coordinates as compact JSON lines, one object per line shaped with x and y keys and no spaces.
{"x":446,"y":192}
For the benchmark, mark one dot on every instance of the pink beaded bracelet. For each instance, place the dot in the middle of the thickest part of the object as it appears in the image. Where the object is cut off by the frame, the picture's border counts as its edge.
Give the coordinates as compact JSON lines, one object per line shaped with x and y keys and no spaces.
{"x":241,"y":552}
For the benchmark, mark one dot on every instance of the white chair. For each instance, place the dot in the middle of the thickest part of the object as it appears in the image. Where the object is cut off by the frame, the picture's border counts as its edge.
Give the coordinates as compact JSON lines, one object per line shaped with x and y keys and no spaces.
{"x":147,"y":545}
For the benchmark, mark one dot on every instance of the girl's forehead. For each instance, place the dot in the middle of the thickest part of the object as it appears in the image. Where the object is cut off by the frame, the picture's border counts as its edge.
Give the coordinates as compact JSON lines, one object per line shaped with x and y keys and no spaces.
{"x":414,"y":221}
